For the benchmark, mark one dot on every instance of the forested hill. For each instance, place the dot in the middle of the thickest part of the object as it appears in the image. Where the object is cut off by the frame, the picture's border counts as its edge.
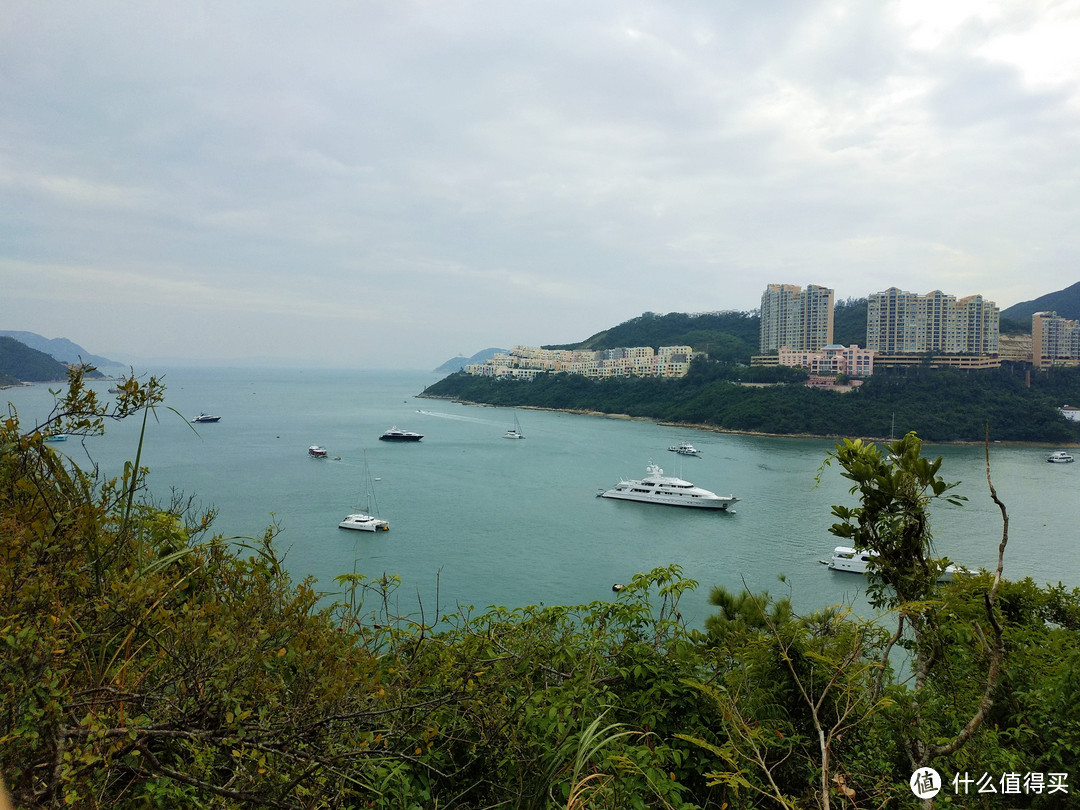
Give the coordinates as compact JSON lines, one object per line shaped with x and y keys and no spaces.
{"x":64,"y":350}
{"x":1066,"y":303}
{"x":942,"y":405}
{"x":20,"y":363}
{"x":730,"y":337}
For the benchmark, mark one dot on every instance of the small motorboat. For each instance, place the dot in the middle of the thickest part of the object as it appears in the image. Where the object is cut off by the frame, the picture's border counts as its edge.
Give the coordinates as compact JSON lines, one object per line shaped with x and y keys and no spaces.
{"x":1060,"y":457}
{"x":56,"y":437}
{"x":845,"y":558}
{"x":685,"y":449}
{"x":364,"y":523}
{"x":205,"y":417}
{"x":316,"y":451}
{"x":395,"y":434}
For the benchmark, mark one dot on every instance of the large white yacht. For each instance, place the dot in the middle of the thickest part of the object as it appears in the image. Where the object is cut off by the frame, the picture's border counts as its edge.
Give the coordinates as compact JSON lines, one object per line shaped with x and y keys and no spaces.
{"x":656,"y":487}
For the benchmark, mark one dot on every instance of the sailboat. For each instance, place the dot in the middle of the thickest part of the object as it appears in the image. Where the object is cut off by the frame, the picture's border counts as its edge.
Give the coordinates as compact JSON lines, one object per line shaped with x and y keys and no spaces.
{"x":361,"y":521}
{"x":515,"y":431}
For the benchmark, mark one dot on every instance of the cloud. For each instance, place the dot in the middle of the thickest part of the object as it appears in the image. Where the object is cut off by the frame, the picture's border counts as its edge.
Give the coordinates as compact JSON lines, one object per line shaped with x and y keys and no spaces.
{"x":397,"y":177}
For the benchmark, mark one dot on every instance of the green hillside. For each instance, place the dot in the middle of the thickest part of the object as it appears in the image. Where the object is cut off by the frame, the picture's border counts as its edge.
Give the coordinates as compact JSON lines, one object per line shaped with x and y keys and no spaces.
{"x":1066,"y":303}
{"x":849,"y":322}
{"x":728,"y":336}
{"x":63,"y":350}
{"x":20,"y":363}
{"x":943,"y":405}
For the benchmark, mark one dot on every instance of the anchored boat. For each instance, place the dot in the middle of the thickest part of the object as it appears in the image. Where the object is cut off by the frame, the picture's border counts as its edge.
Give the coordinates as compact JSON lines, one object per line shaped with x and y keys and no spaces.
{"x":656,"y":487}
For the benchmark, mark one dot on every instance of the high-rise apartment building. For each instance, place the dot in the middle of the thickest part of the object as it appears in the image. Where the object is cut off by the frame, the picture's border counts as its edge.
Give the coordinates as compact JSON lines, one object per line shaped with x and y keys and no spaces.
{"x":899,"y":322}
{"x":796,"y":318}
{"x":1054,"y":341}
{"x":978,"y":322}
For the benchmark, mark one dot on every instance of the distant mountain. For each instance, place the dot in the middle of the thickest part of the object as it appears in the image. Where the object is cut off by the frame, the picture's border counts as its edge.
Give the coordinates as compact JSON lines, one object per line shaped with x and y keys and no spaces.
{"x":63,"y":350}
{"x":1066,"y":303}
{"x":458,"y":363}
{"x":20,"y":363}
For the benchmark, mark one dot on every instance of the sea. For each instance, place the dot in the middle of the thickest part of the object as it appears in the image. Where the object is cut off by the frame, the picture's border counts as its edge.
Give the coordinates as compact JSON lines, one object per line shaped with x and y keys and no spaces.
{"x":478,"y":520}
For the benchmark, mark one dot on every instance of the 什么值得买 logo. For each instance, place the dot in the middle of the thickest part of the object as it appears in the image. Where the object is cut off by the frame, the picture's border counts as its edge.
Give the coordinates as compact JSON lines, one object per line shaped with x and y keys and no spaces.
{"x":925,"y":783}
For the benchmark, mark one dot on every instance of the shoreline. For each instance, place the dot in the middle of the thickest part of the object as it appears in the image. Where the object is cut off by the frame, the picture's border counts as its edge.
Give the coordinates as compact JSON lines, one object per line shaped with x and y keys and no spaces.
{"x":733,"y":432}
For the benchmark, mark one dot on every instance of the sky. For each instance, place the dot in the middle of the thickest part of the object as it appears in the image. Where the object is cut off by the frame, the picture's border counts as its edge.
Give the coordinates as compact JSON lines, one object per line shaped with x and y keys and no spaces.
{"x":391,"y":184}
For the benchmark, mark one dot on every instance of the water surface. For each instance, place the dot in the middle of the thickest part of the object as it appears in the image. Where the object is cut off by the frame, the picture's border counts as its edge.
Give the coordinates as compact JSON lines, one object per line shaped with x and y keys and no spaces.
{"x":477,"y":519}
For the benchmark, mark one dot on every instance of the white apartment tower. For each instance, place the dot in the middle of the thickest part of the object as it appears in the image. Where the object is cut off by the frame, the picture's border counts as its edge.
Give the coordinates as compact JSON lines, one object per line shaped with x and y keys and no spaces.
{"x":978,"y":323}
{"x":796,"y":318}
{"x":899,"y":322}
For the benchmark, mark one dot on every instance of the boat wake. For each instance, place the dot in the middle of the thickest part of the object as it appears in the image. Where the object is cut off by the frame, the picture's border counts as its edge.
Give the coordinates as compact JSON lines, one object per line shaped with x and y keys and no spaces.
{"x":456,"y":417}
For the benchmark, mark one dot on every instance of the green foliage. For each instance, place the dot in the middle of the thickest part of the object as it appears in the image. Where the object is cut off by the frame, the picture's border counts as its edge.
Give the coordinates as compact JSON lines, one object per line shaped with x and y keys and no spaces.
{"x":1008,"y":326}
{"x":892,"y":520}
{"x":797,"y":702}
{"x":849,"y":322}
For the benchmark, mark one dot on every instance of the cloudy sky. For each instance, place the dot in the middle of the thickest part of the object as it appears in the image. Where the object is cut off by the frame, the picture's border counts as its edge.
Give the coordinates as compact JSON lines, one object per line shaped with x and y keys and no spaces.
{"x":389,"y":184}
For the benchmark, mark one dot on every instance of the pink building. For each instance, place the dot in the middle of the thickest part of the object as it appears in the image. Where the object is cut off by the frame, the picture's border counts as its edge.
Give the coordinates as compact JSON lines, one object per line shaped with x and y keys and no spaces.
{"x":832,"y":359}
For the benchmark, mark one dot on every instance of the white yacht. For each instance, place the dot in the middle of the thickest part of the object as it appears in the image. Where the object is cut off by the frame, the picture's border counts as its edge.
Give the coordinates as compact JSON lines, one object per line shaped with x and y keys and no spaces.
{"x":515,"y":431}
{"x":656,"y":487}
{"x":1059,"y":457}
{"x":845,"y":558}
{"x":364,"y":523}
{"x":685,"y":449}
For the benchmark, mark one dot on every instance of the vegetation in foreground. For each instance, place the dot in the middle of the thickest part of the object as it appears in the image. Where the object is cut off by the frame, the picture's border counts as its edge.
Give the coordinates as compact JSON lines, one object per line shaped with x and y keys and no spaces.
{"x":147,"y":662}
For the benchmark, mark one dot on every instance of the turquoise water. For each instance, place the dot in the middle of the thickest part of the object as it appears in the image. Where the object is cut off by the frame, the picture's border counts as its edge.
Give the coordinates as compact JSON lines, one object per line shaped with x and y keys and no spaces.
{"x":478,"y":520}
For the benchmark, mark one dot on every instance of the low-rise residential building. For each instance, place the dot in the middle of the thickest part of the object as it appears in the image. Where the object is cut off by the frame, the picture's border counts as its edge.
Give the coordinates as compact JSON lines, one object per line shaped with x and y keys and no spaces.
{"x":832,"y":359}
{"x":525,"y":362}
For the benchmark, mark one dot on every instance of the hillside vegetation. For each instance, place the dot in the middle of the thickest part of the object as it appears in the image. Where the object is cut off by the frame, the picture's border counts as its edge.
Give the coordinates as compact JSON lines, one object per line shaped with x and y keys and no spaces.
{"x":63,"y":350}
{"x":20,"y":363}
{"x":940,"y":405}
{"x":1066,"y":303}
{"x":145,"y":662}
{"x":728,"y":336}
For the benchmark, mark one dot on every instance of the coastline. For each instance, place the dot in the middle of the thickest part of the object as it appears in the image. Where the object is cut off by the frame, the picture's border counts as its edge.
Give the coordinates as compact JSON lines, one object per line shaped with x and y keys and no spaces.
{"x":733,"y":432}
